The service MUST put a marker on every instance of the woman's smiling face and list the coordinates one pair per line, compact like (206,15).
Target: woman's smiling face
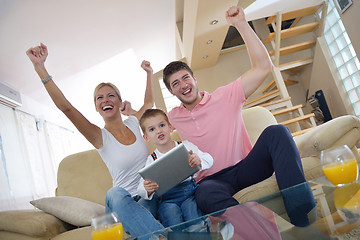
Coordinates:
(107,101)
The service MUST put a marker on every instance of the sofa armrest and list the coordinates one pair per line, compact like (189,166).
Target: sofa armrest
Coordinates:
(344,130)
(34,223)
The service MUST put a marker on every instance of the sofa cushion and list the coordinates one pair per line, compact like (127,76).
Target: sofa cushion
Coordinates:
(32,223)
(17,236)
(75,211)
(312,168)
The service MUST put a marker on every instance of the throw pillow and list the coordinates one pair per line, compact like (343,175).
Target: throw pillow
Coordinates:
(75,211)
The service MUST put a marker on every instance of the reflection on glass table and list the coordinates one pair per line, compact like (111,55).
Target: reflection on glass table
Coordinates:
(266,218)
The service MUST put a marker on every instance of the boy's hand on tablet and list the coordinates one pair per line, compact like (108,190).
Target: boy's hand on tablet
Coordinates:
(194,159)
(150,186)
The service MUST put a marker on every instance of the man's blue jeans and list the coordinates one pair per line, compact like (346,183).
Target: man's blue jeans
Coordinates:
(135,215)
(274,151)
(178,204)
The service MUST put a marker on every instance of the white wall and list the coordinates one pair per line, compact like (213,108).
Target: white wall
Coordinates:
(350,18)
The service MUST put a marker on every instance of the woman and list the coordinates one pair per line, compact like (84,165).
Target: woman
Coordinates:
(119,143)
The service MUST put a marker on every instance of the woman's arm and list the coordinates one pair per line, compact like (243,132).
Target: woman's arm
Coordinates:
(91,132)
(149,92)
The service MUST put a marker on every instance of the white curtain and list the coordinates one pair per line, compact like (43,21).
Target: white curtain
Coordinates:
(30,151)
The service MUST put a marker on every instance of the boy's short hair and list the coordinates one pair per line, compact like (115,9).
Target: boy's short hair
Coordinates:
(172,68)
(151,113)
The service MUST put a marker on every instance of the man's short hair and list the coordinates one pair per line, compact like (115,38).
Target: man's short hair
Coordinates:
(151,113)
(172,68)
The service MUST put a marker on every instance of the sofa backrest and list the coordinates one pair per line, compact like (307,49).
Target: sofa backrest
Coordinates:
(85,175)
(256,119)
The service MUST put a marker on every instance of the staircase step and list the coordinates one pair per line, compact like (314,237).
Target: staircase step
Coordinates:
(267,87)
(294,48)
(297,119)
(275,102)
(302,131)
(272,83)
(263,98)
(295,64)
(287,110)
(294,31)
(295,14)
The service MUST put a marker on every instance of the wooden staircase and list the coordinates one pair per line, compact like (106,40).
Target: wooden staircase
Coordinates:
(275,96)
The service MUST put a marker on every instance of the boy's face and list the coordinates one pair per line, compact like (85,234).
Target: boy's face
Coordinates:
(157,130)
(183,86)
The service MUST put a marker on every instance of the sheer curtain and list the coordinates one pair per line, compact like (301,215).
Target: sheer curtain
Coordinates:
(30,152)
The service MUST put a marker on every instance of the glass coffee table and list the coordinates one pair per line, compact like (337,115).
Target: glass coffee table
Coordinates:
(338,217)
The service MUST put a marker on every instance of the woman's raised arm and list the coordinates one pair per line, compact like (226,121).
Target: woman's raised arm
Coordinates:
(91,132)
(149,92)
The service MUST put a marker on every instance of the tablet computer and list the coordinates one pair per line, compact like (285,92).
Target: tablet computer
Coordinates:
(170,169)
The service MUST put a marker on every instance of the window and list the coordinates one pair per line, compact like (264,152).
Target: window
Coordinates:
(344,55)
(170,100)
(3,170)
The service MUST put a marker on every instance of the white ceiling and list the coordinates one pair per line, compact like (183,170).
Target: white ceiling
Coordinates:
(91,41)
(81,35)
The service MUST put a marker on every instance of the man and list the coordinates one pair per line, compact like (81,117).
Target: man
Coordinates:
(214,123)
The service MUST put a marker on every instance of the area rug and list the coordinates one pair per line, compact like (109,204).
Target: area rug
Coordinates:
(353,235)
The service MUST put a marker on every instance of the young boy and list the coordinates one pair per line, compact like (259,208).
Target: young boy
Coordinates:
(178,204)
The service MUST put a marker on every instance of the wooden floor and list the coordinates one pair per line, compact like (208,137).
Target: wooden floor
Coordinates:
(331,221)
(335,225)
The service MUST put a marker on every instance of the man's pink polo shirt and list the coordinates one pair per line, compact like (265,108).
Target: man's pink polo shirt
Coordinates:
(216,126)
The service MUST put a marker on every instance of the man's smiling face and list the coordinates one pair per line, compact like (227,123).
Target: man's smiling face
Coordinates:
(184,87)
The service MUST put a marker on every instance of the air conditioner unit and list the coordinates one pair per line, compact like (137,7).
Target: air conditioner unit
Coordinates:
(9,96)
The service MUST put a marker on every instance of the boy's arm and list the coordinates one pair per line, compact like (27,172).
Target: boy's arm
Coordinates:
(205,158)
(149,91)
(261,64)
(142,192)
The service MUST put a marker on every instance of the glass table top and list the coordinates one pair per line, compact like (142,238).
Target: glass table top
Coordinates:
(338,217)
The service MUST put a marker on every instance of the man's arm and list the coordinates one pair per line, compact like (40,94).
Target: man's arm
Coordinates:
(261,64)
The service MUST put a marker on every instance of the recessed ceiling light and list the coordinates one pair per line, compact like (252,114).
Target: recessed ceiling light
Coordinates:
(213,22)
(209,41)
(205,56)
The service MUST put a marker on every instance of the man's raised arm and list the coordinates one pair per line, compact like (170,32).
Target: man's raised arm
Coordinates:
(261,64)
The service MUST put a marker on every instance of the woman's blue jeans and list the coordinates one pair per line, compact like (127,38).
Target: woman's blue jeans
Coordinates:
(135,215)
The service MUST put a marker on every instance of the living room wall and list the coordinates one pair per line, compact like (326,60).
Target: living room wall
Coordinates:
(321,76)
(228,68)
(350,20)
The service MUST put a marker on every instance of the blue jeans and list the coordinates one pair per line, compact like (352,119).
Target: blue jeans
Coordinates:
(135,215)
(274,151)
(178,204)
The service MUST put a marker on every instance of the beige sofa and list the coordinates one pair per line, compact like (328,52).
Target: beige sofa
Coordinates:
(85,176)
